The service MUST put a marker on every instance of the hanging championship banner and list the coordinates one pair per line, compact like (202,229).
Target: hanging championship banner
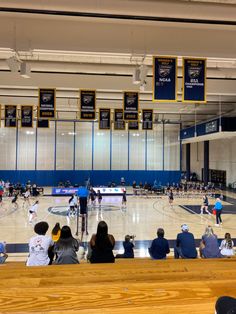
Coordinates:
(164,79)
(104,119)
(147,117)
(133,125)
(119,122)
(131,106)
(87,104)
(47,103)
(194,80)
(10,116)
(42,123)
(26,116)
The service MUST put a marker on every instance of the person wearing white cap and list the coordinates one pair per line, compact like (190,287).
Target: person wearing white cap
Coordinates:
(185,244)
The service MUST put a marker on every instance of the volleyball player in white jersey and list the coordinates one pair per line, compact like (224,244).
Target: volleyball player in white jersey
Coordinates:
(33,212)
(26,198)
(73,203)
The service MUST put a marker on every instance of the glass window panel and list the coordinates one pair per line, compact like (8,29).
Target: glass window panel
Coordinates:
(8,148)
(65,145)
(119,150)
(26,148)
(171,147)
(137,150)
(83,148)
(101,149)
(46,147)
(155,148)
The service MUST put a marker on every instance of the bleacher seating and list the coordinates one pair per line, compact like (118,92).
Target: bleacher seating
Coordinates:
(128,286)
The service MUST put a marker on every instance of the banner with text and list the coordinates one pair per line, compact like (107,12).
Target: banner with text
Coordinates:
(87,104)
(119,122)
(47,103)
(26,116)
(133,125)
(194,80)
(164,79)
(131,106)
(104,119)
(147,118)
(10,116)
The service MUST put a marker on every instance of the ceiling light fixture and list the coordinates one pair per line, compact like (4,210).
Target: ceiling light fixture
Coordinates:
(137,76)
(25,70)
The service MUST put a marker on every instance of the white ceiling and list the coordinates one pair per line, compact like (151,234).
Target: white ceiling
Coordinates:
(101,52)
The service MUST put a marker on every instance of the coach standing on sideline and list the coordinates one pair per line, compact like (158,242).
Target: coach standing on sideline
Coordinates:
(218,208)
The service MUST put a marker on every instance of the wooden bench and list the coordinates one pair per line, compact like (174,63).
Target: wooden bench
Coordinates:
(128,286)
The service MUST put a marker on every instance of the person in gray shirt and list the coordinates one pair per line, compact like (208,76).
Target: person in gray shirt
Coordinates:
(66,248)
(209,246)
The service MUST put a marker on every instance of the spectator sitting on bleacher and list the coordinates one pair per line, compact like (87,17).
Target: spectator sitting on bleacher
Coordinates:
(102,245)
(227,246)
(3,255)
(122,181)
(39,246)
(128,245)
(160,246)
(35,192)
(66,247)
(185,244)
(225,305)
(209,247)
(56,233)
(10,190)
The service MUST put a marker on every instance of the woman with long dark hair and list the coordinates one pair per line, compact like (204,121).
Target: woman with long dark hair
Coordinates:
(102,245)
(66,247)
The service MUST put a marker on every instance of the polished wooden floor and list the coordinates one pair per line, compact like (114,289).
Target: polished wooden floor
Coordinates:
(142,217)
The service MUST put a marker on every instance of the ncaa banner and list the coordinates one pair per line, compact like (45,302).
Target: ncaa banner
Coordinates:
(10,116)
(131,106)
(164,79)
(147,119)
(26,116)
(47,103)
(87,104)
(194,80)
(104,119)
(133,125)
(119,122)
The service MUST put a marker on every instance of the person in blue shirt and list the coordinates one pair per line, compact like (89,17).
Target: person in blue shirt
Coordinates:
(128,245)
(160,246)
(218,208)
(185,244)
